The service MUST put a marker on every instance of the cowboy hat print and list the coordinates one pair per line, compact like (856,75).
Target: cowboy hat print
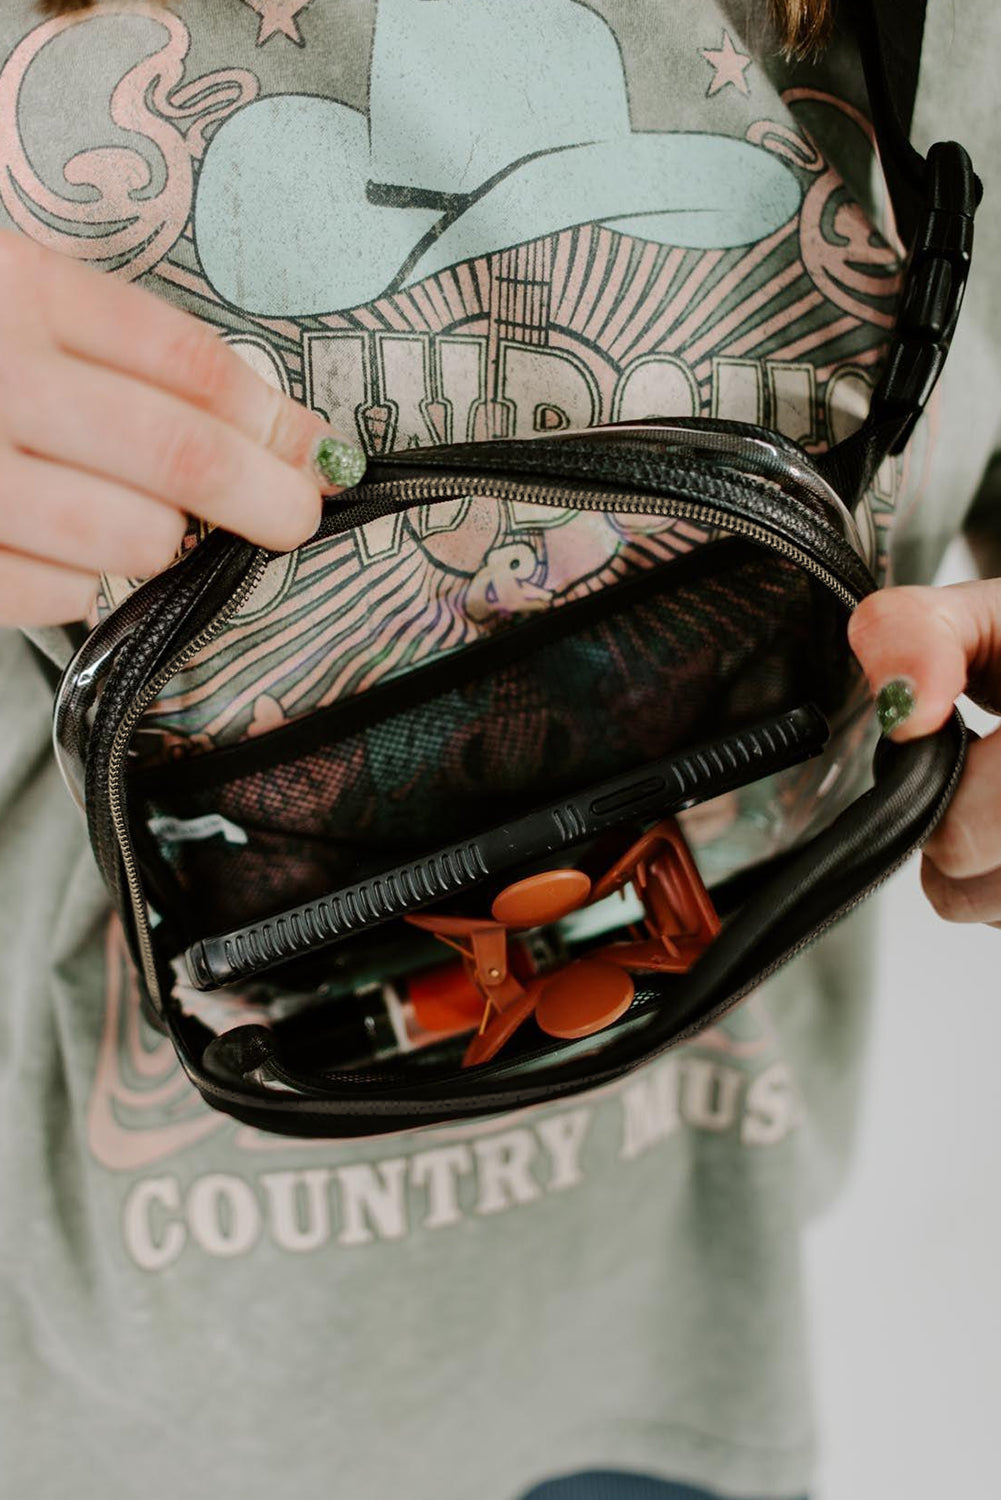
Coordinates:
(489,125)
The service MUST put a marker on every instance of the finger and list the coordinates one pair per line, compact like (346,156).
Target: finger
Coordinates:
(84,522)
(975,900)
(129,329)
(148,440)
(41,593)
(932,640)
(967,842)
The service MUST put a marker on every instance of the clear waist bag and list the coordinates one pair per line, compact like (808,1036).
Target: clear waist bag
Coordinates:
(488,865)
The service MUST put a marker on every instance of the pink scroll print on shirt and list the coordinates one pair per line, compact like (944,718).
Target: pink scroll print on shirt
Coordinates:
(848,264)
(118,228)
(141,1108)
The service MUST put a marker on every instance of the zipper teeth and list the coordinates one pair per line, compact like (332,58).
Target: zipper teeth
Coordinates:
(119,750)
(408,492)
(416,490)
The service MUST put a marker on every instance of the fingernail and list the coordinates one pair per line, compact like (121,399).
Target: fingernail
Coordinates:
(338,463)
(895,702)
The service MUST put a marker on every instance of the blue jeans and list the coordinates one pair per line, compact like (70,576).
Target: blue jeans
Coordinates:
(599,1485)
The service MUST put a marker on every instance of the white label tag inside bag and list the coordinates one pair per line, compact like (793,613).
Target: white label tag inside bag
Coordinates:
(190,830)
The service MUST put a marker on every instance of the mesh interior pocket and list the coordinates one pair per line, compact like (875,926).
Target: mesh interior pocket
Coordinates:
(246,832)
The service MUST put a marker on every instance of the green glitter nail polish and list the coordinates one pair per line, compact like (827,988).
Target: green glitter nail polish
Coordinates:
(894,703)
(338,463)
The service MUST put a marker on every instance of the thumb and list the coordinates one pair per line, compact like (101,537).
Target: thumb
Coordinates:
(919,646)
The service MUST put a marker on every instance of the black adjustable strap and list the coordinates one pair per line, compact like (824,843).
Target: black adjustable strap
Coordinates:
(938,195)
(889,37)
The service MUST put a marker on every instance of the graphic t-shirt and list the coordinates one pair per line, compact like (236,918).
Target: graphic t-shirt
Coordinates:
(434,220)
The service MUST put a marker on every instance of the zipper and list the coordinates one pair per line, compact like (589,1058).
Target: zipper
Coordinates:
(119,754)
(403,494)
(767,458)
(719,445)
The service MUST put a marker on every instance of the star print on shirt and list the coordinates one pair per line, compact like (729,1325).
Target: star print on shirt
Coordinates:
(279,16)
(730,66)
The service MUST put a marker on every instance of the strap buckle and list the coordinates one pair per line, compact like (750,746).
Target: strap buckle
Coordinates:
(934,284)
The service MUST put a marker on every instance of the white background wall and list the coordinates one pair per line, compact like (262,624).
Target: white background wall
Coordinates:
(905,1272)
